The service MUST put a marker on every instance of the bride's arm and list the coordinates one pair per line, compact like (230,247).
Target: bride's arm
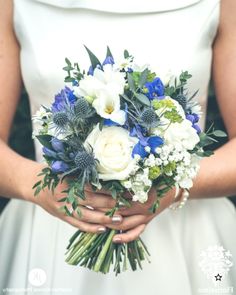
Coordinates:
(217,175)
(18,174)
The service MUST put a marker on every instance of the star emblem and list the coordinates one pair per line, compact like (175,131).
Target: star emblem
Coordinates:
(218,277)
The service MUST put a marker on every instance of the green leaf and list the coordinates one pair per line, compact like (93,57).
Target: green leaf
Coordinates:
(143,78)
(68,62)
(143,99)
(126,53)
(109,52)
(131,82)
(45,140)
(219,133)
(69,79)
(94,60)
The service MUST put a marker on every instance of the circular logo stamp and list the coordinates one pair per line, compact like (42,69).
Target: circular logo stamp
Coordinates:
(37,277)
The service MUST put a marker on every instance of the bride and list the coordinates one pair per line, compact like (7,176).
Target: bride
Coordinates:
(192,249)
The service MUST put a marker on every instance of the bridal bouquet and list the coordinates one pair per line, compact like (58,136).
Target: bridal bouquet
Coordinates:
(120,128)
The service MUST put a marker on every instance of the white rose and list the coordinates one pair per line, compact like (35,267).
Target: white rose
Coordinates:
(183,134)
(112,147)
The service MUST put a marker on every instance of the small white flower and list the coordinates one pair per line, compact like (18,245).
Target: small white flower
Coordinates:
(147,149)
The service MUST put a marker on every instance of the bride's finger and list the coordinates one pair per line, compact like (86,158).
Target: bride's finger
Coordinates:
(129,222)
(89,189)
(84,226)
(94,216)
(130,235)
(97,201)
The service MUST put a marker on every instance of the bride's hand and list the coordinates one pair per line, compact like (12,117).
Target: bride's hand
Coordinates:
(138,216)
(93,221)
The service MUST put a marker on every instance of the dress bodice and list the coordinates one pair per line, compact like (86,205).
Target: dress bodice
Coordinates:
(170,35)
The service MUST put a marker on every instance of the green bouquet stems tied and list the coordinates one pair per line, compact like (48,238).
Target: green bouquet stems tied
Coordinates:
(119,127)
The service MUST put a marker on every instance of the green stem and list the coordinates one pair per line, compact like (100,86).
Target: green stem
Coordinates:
(103,253)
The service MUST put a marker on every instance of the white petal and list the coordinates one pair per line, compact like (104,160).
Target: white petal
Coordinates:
(118,117)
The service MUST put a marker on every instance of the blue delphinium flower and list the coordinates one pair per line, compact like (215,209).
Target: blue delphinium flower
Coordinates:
(152,142)
(59,167)
(66,96)
(108,60)
(194,118)
(155,88)
(144,141)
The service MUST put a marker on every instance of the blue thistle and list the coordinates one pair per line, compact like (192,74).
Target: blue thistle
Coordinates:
(82,107)
(84,160)
(60,119)
(149,118)
(182,100)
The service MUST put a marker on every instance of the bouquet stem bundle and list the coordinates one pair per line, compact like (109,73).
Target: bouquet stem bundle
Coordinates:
(97,252)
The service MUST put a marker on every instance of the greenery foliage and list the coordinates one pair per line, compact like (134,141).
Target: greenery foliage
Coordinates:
(21,139)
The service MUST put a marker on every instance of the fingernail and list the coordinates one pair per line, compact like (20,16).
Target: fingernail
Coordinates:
(117,240)
(116,219)
(101,229)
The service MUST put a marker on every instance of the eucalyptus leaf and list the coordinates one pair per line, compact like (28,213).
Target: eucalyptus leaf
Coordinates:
(143,99)
(131,82)
(219,133)
(143,78)
(126,53)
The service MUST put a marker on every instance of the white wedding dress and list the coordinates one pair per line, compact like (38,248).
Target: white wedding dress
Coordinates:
(170,35)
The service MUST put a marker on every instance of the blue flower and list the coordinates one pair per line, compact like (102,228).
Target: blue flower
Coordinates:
(108,60)
(155,88)
(139,150)
(194,118)
(91,69)
(197,128)
(57,145)
(152,142)
(66,96)
(49,152)
(59,167)
(109,122)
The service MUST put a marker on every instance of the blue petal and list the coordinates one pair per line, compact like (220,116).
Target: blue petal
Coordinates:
(109,122)
(91,71)
(139,150)
(197,128)
(108,60)
(59,167)
(57,145)
(154,142)
(49,153)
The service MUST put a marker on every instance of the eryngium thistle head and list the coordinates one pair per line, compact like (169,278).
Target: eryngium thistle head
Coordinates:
(81,107)
(60,119)
(84,160)
(149,118)
(182,100)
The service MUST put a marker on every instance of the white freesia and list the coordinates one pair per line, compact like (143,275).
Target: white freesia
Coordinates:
(112,147)
(108,106)
(103,90)
(183,134)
